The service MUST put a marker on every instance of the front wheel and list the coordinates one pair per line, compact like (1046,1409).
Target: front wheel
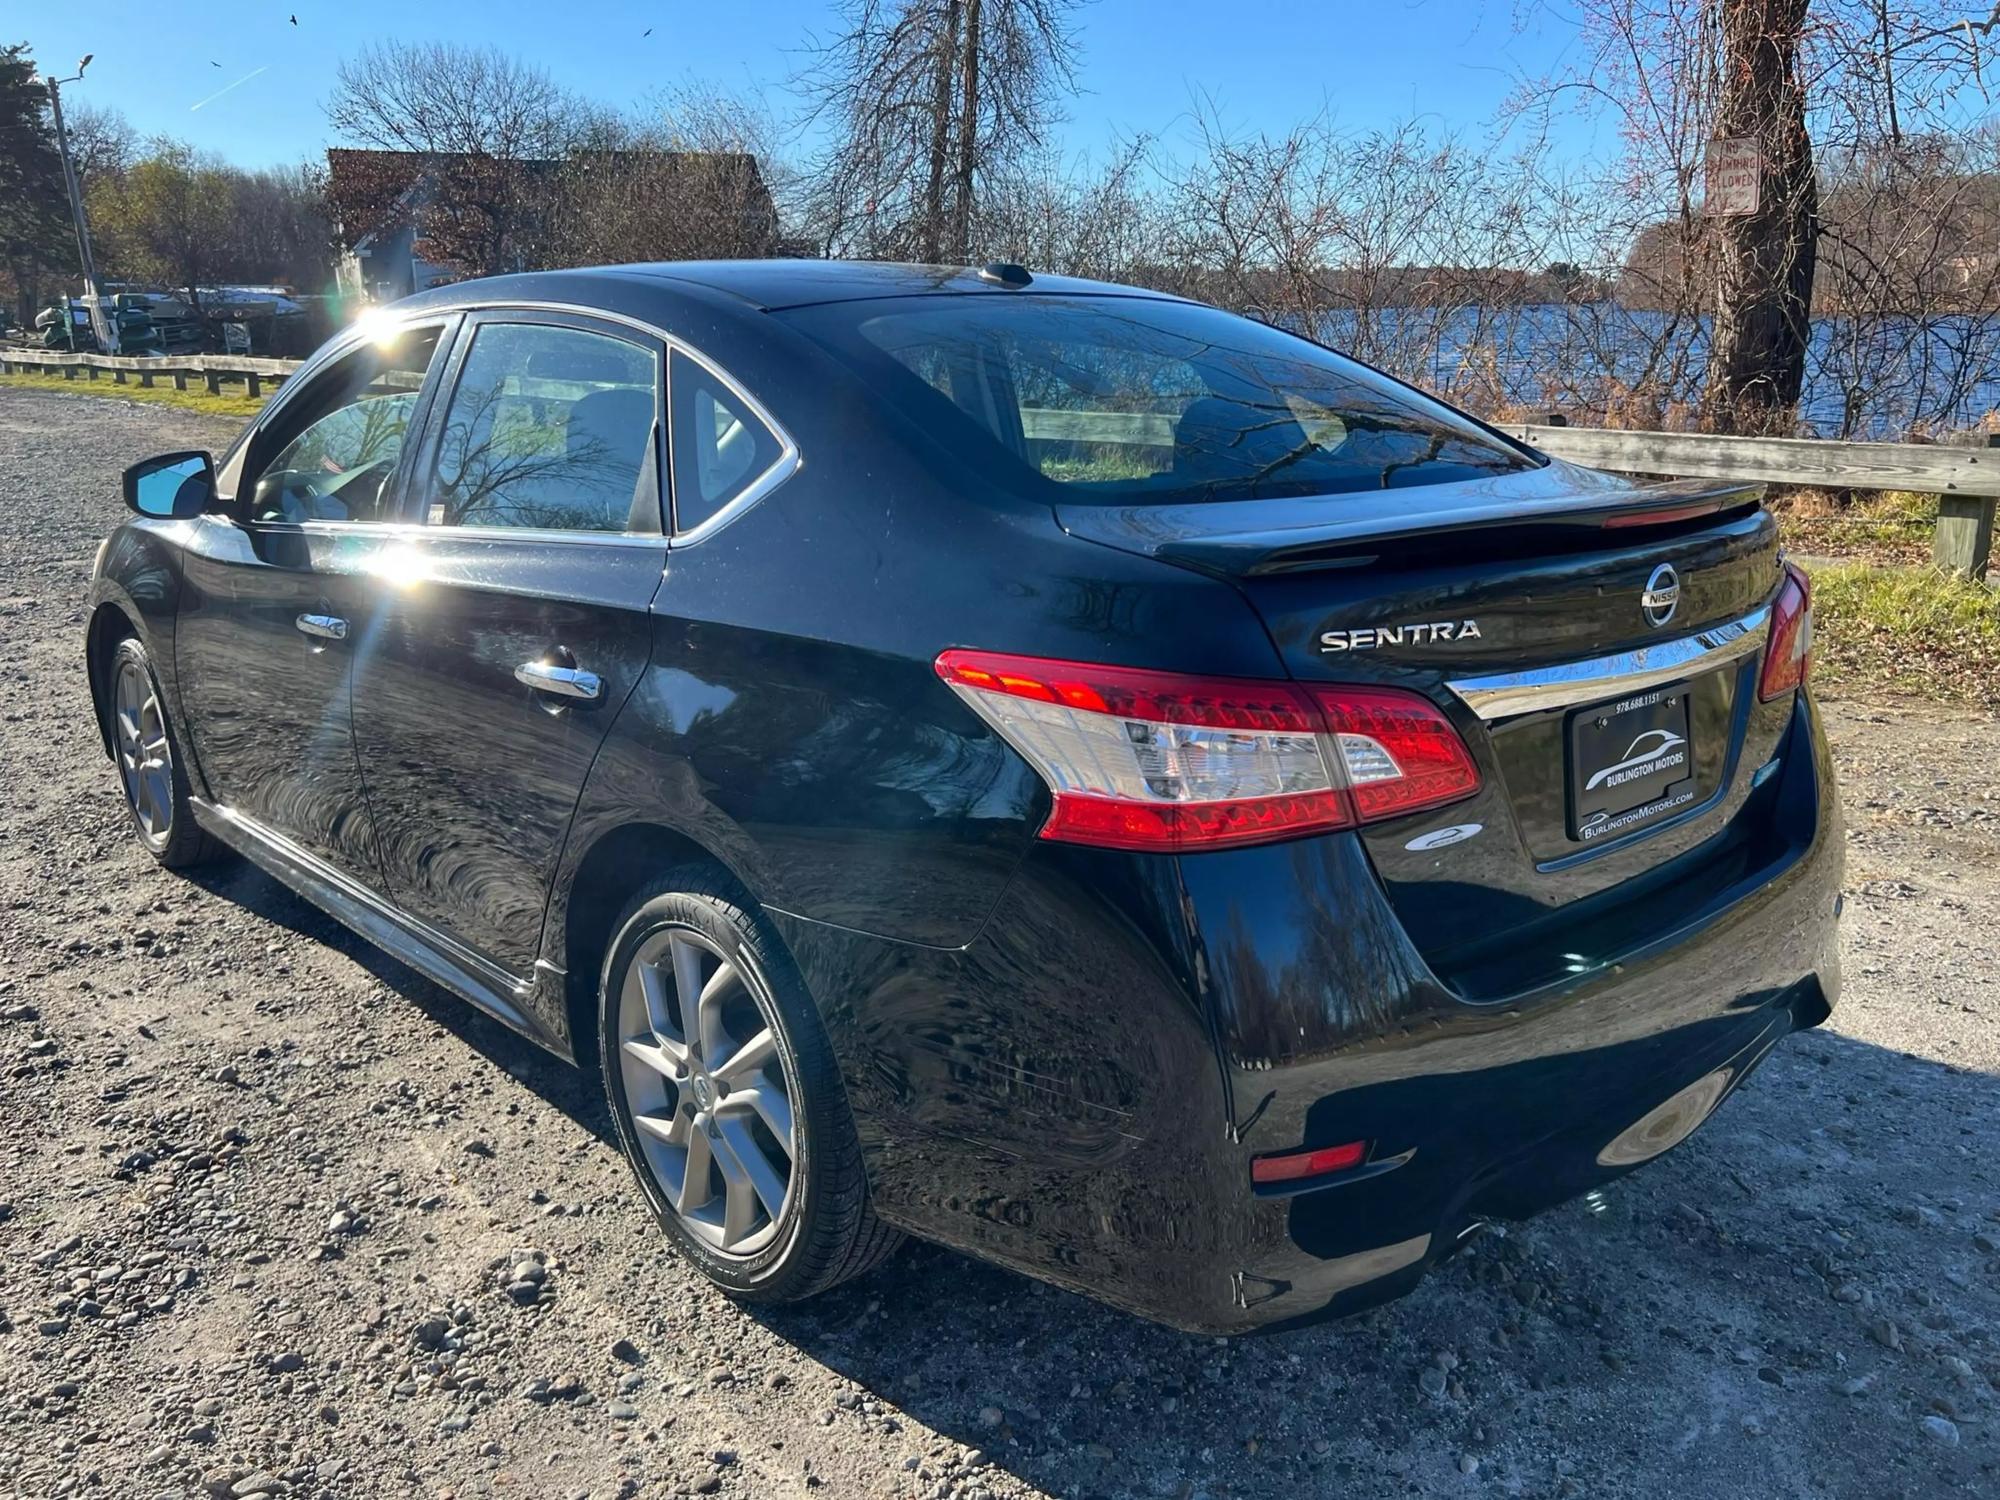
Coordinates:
(151,770)
(727,1098)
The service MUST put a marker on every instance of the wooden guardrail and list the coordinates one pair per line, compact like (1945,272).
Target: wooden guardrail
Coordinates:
(212,369)
(1965,478)
(1927,468)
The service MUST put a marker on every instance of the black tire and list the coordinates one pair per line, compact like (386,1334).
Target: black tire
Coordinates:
(826,1232)
(158,804)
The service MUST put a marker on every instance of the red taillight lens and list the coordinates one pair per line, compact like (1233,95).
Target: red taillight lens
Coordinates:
(1300,1164)
(1158,761)
(1399,753)
(1788,656)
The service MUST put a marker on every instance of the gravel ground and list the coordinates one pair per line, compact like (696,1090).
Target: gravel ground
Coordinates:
(262,1193)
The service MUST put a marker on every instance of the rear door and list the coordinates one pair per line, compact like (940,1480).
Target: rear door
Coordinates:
(513,623)
(276,599)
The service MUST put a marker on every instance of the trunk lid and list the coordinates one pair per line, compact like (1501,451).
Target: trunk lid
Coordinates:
(1516,603)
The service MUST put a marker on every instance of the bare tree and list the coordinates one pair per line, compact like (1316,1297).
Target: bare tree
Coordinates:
(1764,259)
(1075,219)
(930,102)
(278,229)
(693,176)
(102,141)
(1673,75)
(486,126)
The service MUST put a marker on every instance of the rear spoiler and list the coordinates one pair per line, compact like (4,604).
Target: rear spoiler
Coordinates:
(1346,539)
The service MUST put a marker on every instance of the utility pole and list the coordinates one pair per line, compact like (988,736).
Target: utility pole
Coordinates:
(104,321)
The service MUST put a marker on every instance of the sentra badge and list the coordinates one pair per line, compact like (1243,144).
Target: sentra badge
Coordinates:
(1427,633)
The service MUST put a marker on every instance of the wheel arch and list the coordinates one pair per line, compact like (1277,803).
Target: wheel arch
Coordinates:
(110,623)
(615,864)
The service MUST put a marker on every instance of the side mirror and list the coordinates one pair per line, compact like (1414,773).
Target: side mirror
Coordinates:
(173,486)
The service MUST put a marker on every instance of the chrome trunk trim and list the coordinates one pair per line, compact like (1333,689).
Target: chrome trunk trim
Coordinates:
(1501,695)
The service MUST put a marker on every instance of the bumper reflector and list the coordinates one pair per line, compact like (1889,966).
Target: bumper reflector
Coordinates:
(1295,1165)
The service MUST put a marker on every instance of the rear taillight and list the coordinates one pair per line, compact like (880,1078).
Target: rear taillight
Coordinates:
(1158,761)
(1788,657)
(1399,753)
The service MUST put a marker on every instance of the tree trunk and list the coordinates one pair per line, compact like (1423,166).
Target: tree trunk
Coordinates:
(968,139)
(1765,260)
(945,73)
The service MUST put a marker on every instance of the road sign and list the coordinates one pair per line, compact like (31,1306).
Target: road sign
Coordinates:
(1735,178)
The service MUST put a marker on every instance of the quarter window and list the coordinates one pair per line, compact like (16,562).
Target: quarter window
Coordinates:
(341,439)
(549,427)
(721,447)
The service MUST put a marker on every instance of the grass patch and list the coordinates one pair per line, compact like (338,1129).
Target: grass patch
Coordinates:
(1908,629)
(1886,526)
(233,402)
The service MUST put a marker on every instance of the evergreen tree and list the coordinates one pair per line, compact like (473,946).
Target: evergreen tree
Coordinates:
(34,218)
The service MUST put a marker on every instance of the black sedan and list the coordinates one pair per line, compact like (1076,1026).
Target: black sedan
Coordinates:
(1045,767)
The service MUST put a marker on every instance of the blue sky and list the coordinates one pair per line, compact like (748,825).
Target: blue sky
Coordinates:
(1266,63)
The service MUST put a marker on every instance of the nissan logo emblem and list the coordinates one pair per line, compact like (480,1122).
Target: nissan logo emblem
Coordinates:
(1662,595)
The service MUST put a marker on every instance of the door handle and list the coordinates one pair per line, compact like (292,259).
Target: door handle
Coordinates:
(324,627)
(566,682)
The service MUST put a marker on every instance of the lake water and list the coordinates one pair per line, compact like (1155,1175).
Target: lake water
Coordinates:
(1883,378)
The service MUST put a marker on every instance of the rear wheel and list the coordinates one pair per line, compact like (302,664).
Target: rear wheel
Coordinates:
(727,1098)
(150,769)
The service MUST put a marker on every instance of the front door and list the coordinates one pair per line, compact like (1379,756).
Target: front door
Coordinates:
(275,596)
(517,622)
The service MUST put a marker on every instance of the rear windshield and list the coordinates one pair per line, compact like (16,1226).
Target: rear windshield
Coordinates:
(1132,400)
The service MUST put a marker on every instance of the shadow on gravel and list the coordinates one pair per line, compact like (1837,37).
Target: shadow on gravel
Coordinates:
(563,1087)
(1818,1208)
(1811,1242)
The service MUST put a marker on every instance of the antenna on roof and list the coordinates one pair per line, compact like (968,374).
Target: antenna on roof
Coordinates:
(1005,273)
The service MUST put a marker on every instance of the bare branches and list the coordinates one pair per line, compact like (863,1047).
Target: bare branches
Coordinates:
(932,103)
(440,98)
(684,180)
(484,127)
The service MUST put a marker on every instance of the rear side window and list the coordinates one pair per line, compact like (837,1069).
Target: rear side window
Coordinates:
(721,446)
(1132,399)
(549,427)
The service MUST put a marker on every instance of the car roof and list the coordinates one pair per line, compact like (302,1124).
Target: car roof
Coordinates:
(766,284)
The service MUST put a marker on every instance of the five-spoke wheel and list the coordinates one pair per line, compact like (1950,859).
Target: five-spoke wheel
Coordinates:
(708,1090)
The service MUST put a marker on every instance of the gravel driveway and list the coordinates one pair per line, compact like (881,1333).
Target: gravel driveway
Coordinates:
(262,1192)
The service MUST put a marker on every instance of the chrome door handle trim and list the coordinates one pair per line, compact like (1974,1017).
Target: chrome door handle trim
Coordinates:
(568,682)
(324,627)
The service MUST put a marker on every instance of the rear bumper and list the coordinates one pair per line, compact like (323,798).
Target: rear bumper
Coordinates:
(1079,1092)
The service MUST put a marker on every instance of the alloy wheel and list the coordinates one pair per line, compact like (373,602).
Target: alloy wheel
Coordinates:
(710,1092)
(145,756)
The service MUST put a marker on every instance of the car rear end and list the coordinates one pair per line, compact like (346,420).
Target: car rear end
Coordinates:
(1514,859)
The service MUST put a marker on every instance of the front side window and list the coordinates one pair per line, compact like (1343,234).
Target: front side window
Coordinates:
(549,427)
(342,438)
(1148,401)
(721,447)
